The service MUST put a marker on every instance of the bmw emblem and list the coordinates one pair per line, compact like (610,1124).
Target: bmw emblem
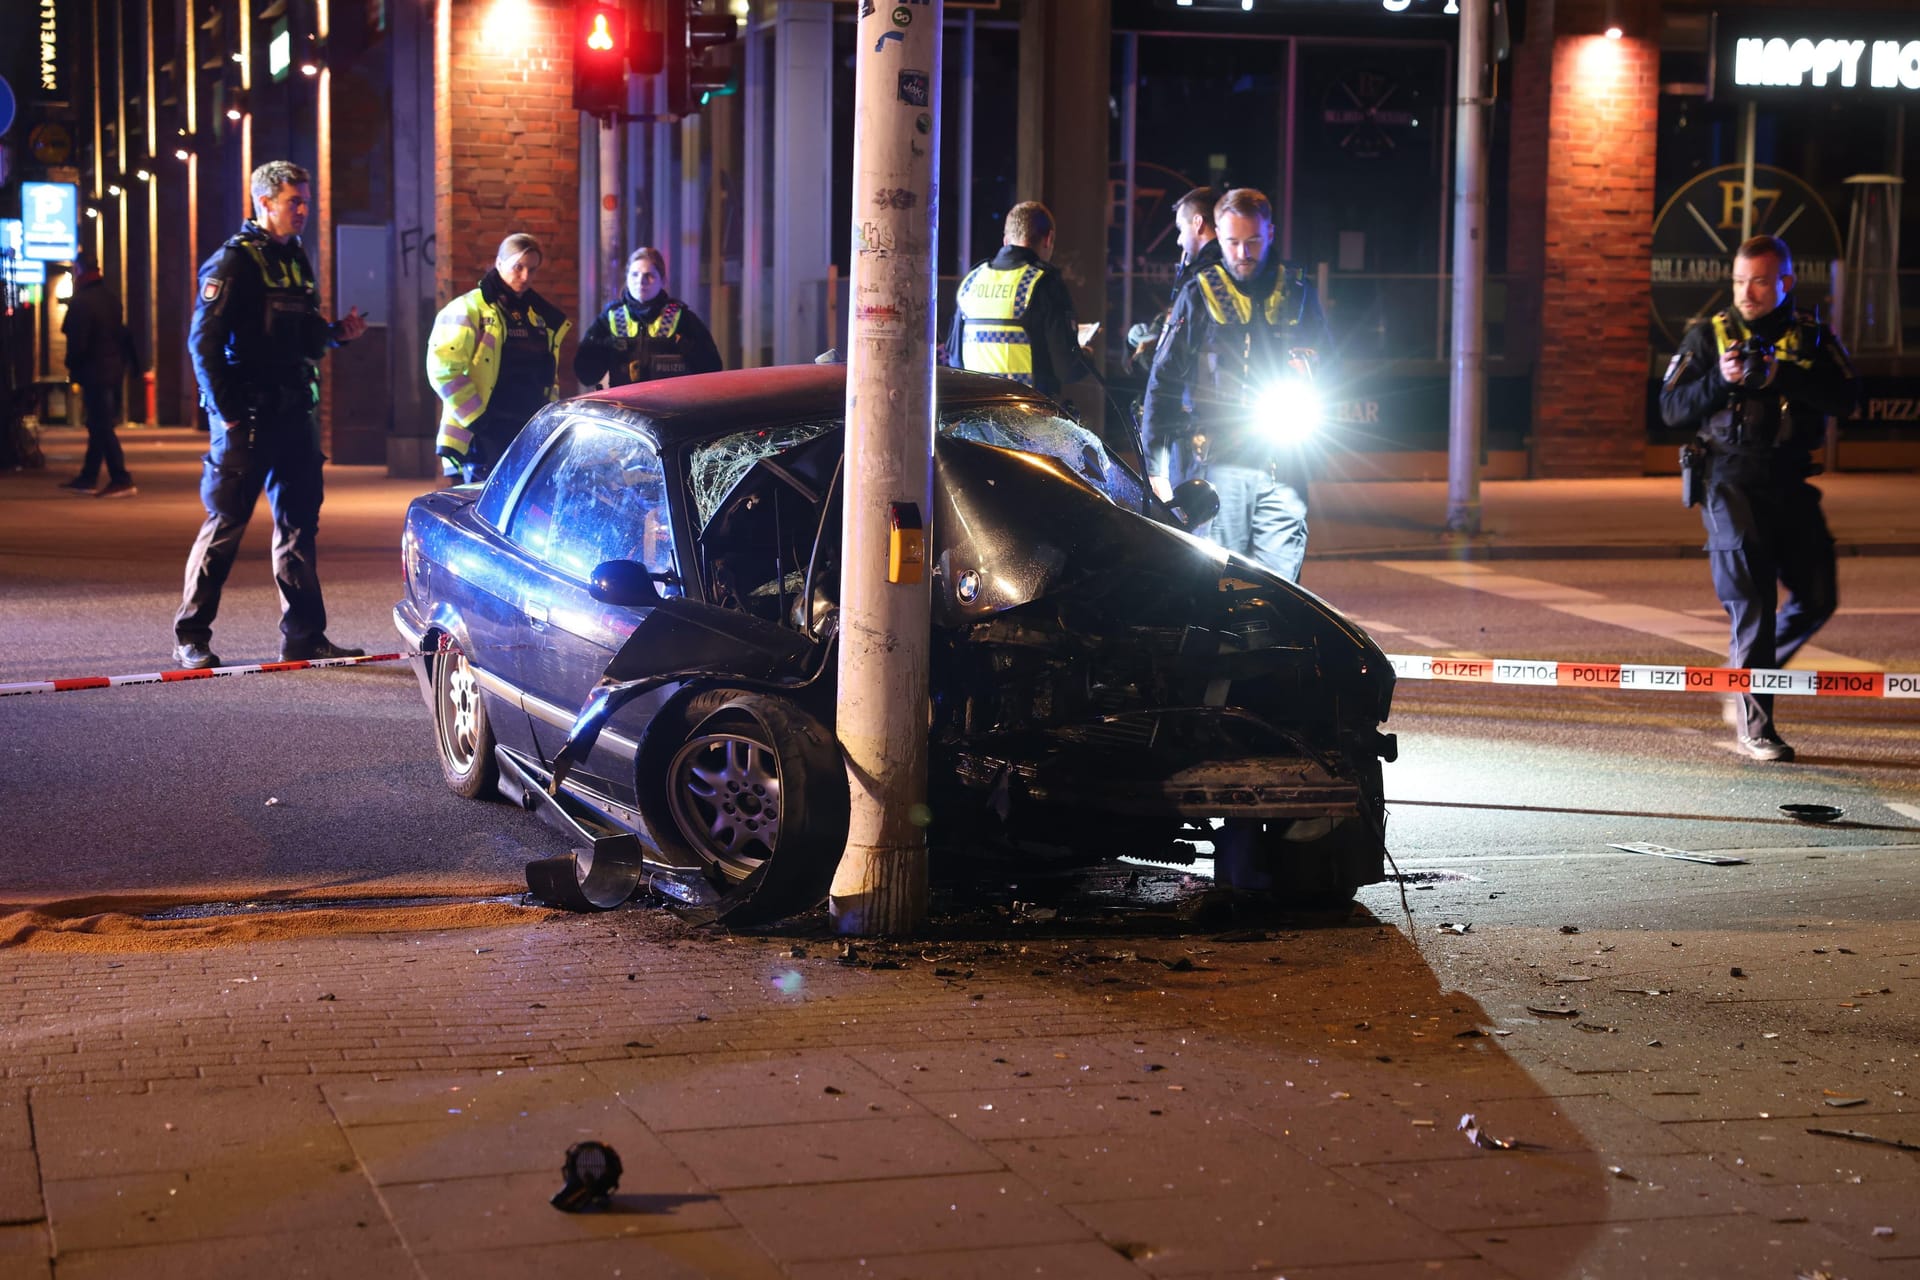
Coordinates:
(967,586)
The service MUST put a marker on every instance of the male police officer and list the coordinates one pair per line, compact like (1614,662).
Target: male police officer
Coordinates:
(1230,395)
(1758,383)
(256,337)
(1014,316)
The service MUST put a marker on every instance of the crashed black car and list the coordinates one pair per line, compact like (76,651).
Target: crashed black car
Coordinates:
(631,626)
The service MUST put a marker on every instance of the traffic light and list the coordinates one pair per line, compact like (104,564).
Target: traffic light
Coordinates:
(700,48)
(599,58)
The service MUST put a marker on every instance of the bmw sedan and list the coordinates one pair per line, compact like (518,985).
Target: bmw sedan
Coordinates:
(631,626)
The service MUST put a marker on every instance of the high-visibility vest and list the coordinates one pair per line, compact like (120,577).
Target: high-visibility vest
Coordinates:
(994,305)
(1729,328)
(463,364)
(1227,305)
(657,362)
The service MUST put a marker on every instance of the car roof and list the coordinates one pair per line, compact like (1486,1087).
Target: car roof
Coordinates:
(706,404)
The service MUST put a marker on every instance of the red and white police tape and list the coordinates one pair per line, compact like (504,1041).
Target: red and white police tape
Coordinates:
(1658,679)
(1637,677)
(204,673)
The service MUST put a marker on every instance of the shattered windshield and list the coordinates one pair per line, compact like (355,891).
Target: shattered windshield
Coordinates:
(1032,429)
(716,467)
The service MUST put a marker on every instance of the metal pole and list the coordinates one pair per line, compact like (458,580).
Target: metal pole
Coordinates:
(1129,157)
(1467,391)
(608,242)
(964,214)
(881,883)
(1746,176)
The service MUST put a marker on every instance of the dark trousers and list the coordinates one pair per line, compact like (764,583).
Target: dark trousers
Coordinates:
(284,458)
(1786,544)
(101,402)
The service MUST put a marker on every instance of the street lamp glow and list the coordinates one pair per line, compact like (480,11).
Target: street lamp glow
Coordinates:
(1614,33)
(143,175)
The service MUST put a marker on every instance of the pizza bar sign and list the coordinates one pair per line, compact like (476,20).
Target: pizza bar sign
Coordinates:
(1779,63)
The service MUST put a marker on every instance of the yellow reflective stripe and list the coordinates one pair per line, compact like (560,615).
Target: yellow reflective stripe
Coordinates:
(1787,350)
(1227,305)
(666,322)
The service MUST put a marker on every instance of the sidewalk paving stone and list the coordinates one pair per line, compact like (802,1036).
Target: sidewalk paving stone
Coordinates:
(460,1214)
(786,1155)
(902,1215)
(683,1255)
(372,1252)
(1674,1247)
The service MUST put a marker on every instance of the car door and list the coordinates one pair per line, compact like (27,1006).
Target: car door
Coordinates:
(598,494)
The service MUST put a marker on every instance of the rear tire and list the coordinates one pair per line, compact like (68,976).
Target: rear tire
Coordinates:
(461,732)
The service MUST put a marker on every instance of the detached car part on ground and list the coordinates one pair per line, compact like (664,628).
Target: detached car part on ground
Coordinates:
(631,627)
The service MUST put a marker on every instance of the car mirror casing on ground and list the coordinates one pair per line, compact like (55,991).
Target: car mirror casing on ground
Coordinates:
(625,583)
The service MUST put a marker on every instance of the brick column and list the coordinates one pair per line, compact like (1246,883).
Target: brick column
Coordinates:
(506,146)
(1585,127)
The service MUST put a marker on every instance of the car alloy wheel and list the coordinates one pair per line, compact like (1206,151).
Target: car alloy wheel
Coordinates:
(757,788)
(460,726)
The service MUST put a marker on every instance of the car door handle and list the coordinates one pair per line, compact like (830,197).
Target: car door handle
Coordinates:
(537,614)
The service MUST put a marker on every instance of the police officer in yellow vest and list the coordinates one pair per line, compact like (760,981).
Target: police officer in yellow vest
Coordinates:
(645,333)
(493,360)
(256,338)
(1230,397)
(1758,383)
(1014,316)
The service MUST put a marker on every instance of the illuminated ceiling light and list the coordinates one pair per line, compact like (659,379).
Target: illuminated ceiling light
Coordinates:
(112,190)
(92,212)
(181,153)
(234,57)
(309,68)
(233,113)
(1246,6)
(143,175)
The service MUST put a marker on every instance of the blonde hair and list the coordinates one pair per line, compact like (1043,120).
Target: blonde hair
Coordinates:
(518,245)
(1028,223)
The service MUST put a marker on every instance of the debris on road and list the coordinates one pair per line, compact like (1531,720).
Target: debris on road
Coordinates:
(1553,1013)
(1479,1137)
(1683,855)
(1812,812)
(1456,928)
(1854,1135)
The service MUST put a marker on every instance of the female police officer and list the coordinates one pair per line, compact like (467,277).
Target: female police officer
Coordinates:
(493,359)
(645,333)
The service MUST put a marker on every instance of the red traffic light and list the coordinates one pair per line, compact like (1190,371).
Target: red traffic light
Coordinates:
(599,58)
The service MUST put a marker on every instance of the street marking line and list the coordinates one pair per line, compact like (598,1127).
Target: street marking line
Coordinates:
(1668,624)
(1904,809)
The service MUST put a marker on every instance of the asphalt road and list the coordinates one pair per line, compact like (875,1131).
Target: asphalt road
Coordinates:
(1505,800)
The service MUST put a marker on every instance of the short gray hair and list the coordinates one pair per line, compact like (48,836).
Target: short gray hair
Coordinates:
(274,174)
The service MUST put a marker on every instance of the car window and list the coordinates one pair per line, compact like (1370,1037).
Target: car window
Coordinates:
(599,494)
(1032,429)
(514,462)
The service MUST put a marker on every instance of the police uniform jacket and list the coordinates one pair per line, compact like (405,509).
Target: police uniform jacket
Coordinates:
(635,341)
(257,334)
(1759,438)
(1021,322)
(1224,342)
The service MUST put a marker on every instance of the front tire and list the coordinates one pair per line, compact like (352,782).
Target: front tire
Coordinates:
(461,732)
(755,777)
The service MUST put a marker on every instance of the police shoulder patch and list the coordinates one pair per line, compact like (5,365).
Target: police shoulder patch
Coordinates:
(210,288)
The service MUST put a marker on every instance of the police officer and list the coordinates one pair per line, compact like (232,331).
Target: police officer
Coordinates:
(646,333)
(493,360)
(1757,383)
(1230,395)
(256,339)
(1199,249)
(1014,317)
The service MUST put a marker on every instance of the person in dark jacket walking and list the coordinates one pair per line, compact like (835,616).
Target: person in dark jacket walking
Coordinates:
(100,353)
(256,339)
(646,333)
(1758,382)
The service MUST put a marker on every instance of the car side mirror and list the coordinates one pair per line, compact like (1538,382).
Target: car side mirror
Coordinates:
(625,583)
(1197,502)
